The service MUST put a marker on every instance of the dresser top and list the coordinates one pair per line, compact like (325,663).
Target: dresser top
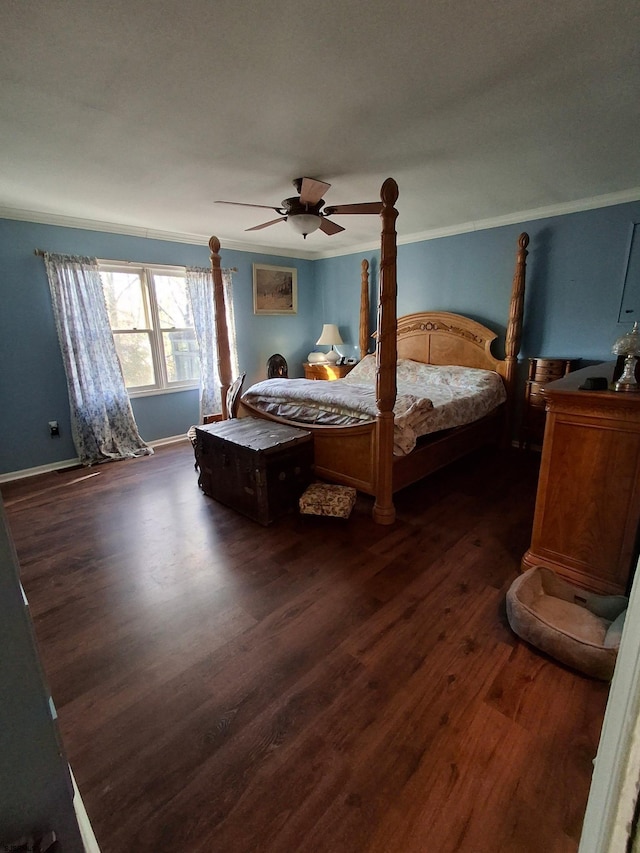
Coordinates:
(572,381)
(566,393)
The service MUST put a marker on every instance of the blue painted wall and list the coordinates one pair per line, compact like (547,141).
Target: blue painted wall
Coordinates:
(32,381)
(575,277)
(576,270)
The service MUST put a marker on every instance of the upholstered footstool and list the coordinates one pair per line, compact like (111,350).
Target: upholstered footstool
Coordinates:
(328,499)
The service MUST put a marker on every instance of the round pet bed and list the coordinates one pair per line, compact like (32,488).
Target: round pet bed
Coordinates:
(578,628)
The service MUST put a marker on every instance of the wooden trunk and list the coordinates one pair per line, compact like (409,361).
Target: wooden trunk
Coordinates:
(256,467)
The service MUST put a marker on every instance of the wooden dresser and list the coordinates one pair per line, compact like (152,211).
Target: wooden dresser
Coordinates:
(541,372)
(587,511)
(324,370)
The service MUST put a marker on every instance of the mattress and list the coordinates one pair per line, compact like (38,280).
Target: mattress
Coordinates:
(429,398)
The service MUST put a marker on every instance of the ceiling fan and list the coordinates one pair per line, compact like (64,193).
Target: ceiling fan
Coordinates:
(305,212)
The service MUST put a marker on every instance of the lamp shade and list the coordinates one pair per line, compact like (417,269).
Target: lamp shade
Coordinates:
(304,223)
(628,344)
(330,335)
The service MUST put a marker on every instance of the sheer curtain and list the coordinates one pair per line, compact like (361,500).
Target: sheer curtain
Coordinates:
(102,423)
(200,289)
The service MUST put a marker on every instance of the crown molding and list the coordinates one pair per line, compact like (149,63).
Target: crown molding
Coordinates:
(608,200)
(47,218)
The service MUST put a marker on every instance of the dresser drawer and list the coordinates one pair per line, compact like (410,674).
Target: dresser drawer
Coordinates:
(542,371)
(535,397)
(324,370)
(548,373)
(550,369)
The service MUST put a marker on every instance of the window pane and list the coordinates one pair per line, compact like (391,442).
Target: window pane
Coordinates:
(134,351)
(181,355)
(125,300)
(174,307)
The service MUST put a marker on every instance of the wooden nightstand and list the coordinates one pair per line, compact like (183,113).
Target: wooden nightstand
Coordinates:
(541,372)
(326,371)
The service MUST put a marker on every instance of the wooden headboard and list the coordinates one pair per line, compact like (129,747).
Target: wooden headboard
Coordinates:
(438,337)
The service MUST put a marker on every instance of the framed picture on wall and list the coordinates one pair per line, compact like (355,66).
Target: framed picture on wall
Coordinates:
(275,289)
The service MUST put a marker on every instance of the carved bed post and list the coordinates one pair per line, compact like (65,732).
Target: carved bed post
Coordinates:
(386,354)
(364,308)
(222,332)
(514,328)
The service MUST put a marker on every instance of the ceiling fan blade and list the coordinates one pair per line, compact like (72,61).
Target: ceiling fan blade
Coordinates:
(312,191)
(365,207)
(266,224)
(330,227)
(244,204)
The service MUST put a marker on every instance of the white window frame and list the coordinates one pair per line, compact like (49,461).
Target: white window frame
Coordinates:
(146,272)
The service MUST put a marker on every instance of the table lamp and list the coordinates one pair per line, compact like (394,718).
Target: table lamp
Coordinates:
(330,337)
(629,346)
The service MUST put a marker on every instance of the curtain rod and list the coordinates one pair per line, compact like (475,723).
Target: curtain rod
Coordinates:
(41,253)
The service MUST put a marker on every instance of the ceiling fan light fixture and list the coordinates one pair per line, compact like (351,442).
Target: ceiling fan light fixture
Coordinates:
(304,223)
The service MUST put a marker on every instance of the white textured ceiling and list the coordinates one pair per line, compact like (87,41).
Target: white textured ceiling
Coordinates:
(141,114)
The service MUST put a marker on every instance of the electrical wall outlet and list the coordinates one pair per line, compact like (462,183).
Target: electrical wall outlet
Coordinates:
(54,429)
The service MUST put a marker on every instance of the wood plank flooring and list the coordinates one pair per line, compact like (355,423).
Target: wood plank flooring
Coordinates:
(318,686)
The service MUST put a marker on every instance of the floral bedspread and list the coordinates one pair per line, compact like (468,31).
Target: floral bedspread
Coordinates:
(429,398)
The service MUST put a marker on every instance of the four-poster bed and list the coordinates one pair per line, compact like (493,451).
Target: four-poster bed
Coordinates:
(361,454)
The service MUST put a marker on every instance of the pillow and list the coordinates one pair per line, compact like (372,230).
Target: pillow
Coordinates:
(452,375)
(364,372)
(409,372)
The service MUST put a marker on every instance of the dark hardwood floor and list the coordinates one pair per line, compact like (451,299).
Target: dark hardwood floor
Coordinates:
(318,686)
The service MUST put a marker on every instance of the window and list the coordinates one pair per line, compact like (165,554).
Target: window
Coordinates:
(152,324)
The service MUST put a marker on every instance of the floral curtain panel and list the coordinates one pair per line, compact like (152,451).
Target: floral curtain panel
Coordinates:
(102,422)
(200,289)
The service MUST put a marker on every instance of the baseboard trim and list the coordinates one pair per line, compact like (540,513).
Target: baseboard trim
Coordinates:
(74,463)
(171,439)
(40,469)
(86,830)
